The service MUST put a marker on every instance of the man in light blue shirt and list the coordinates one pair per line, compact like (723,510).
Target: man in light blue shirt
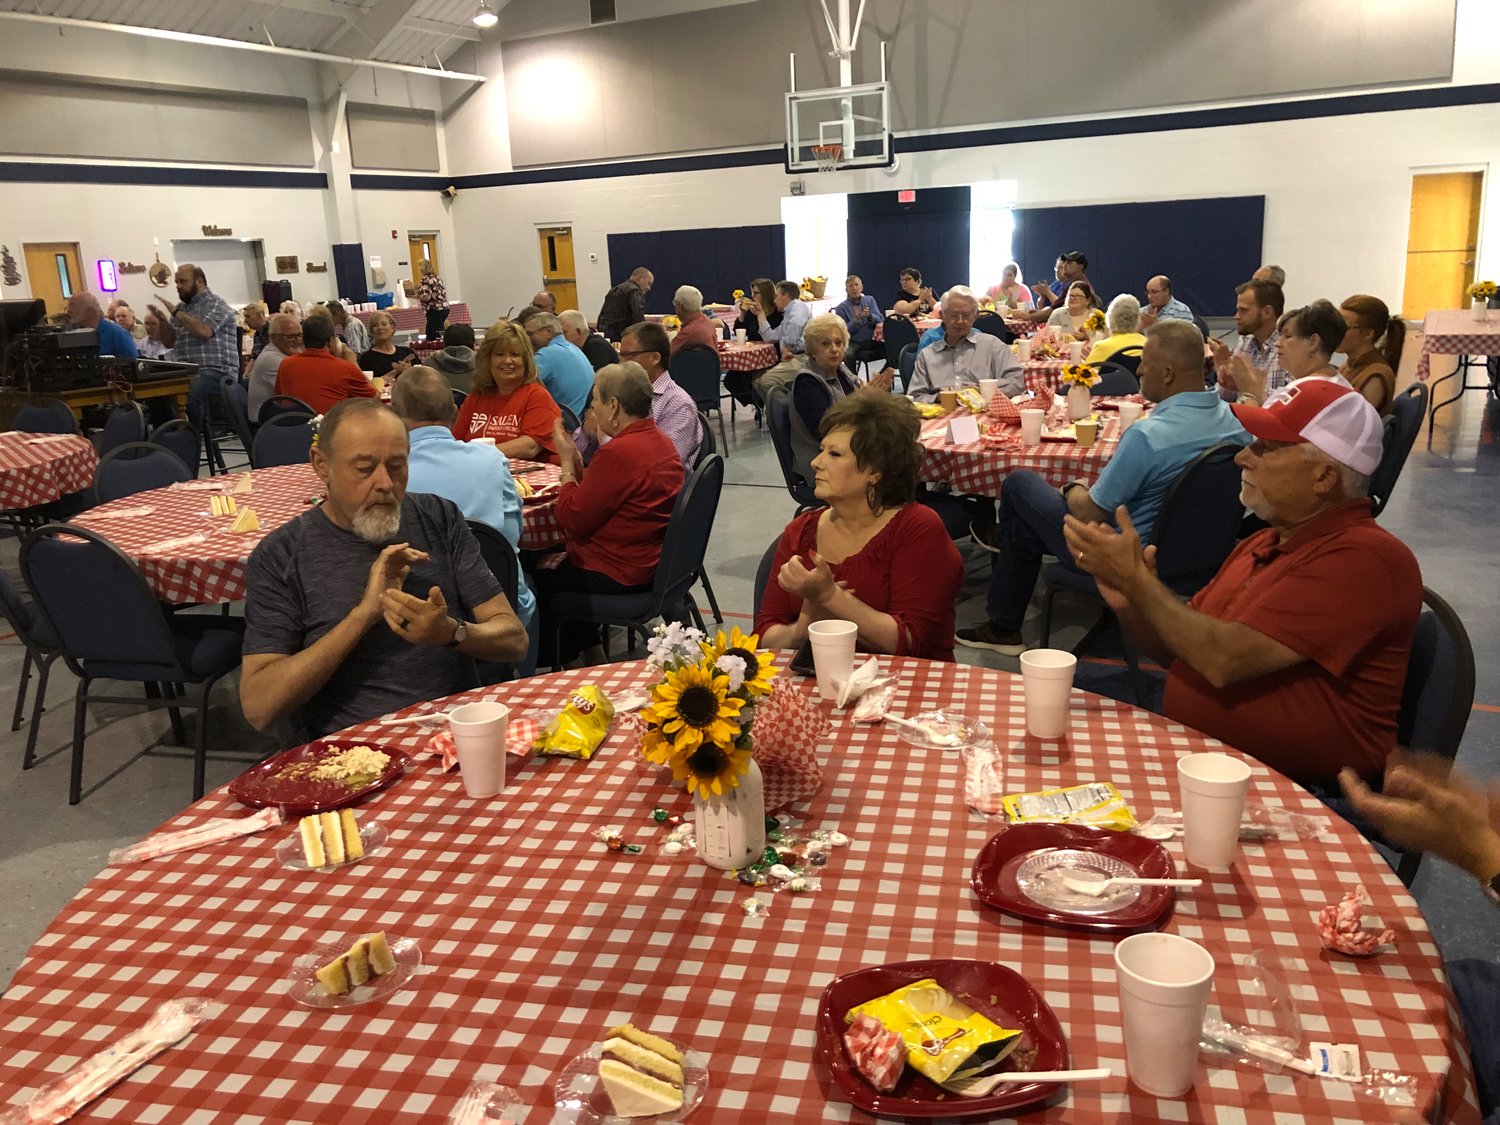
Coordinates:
(794,317)
(1161,305)
(564,370)
(474,475)
(1151,456)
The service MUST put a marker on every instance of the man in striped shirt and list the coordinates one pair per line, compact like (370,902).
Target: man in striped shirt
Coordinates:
(1257,309)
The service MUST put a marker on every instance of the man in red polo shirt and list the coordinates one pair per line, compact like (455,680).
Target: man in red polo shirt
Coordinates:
(1296,651)
(317,376)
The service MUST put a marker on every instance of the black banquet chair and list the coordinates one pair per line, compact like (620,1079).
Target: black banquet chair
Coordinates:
(896,332)
(682,554)
(696,370)
(179,437)
(501,558)
(237,406)
(991,323)
(282,440)
(779,422)
(1401,429)
(136,466)
(283,404)
(124,424)
(45,416)
(110,626)
(41,645)
(1115,379)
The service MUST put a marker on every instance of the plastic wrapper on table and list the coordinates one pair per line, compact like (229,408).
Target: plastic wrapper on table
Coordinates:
(487,1103)
(1341,927)
(983,781)
(199,836)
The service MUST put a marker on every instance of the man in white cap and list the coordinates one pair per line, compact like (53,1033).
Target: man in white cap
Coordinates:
(1296,651)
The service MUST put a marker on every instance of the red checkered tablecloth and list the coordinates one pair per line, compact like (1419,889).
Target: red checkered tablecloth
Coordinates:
(1044,376)
(39,468)
(413,318)
(213,569)
(751,356)
(539,527)
(535,938)
(1456,332)
(979,467)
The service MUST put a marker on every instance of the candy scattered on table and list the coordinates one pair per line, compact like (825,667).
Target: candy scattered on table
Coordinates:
(610,837)
(756,907)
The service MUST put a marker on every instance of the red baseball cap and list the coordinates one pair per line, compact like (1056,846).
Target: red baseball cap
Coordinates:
(1334,417)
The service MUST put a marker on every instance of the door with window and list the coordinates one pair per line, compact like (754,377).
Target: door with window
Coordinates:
(422,247)
(1442,241)
(54,273)
(558,275)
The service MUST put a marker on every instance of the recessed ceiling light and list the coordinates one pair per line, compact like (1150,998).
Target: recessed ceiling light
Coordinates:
(485,15)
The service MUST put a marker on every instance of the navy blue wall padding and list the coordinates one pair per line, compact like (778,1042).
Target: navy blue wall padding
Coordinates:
(349,270)
(715,260)
(1127,243)
(931,234)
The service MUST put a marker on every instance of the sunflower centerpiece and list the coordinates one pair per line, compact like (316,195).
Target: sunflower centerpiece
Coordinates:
(1079,378)
(1094,323)
(698,723)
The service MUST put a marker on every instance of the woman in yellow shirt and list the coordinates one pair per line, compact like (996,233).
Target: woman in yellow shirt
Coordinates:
(1123,320)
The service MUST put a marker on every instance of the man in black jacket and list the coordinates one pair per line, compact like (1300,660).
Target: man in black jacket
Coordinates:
(625,304)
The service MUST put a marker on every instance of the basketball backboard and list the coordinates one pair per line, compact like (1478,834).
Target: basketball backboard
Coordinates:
(856,118)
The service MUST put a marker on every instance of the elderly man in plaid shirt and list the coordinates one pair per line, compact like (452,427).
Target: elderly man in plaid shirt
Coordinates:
(200,330)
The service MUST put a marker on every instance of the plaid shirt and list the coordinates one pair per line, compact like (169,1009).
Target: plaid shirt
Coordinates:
(221,351)
(1263,357)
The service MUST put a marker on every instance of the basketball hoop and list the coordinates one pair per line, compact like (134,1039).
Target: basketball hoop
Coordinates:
(828,157)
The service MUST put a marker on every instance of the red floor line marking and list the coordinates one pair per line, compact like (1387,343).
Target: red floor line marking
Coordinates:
(1486,707)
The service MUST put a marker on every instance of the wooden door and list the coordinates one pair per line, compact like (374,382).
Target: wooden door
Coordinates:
(558,275)
(1442,241)
(54,273)
(422,247)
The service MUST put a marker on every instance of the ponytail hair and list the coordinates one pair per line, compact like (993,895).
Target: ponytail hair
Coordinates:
(1389,331)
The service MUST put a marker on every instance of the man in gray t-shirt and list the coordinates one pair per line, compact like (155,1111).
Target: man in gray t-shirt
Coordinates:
(373,601)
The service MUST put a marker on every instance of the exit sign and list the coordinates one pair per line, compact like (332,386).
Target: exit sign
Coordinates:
(907,196)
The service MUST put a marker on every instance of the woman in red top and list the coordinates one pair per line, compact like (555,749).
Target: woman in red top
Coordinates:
(508,403)
(614,517)
(872,556)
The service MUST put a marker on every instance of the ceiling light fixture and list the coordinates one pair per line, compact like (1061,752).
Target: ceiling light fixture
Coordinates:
(485,16)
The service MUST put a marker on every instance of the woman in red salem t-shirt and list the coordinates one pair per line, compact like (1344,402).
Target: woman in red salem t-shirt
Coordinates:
(507,402)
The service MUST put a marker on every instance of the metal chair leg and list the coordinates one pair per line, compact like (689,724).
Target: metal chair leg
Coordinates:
(75,777)
(15,722)
(708,590)
(200,750)
(179,731)
(1047,615)
(44,668)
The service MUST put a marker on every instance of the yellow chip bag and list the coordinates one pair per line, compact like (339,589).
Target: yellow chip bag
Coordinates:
(944,1037)
(971,398)
(580,727)
(927,409)
(1097,803)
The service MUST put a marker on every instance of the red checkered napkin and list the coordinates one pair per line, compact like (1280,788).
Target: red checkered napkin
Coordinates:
(520,734)
(1004,411)
(879,1055)
(788,727)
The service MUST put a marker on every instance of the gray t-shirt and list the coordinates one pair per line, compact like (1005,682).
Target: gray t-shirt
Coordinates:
(307,575)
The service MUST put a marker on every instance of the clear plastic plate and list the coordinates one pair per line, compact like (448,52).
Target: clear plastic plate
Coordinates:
(580,1096)
(303,986)
(942,731)
(1041,880)
(372,835)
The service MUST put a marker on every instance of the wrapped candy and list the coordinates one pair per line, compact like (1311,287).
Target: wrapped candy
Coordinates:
(879,1055)
(581,727)
(1341,927)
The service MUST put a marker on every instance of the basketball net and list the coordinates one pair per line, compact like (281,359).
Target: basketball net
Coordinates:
(828,157)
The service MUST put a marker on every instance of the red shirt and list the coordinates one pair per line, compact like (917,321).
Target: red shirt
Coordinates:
(321,380)
(1345,594)
(615,518)
(701,329)
(528,411)
(910,570)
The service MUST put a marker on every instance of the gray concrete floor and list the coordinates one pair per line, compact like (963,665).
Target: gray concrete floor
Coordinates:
(1444,508)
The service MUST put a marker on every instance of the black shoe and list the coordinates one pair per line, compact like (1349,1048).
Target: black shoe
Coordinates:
(986,636)
(984,536)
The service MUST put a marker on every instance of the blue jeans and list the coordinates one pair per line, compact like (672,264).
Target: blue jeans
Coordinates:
(203,391)
(1477,984)
(1029,526)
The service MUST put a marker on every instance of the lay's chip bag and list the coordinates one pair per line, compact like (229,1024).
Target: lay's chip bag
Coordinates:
(945,1038)
(580,727)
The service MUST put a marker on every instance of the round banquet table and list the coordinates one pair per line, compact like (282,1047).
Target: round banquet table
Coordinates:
(39,468)
(536,938)
(753,355)
(189,555)
(979,467)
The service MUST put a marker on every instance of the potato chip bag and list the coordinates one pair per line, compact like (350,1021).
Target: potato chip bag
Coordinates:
(1097,803)
(944,1037)
(972,399)
(580,727)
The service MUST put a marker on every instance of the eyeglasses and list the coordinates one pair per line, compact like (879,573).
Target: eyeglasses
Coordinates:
(651,351)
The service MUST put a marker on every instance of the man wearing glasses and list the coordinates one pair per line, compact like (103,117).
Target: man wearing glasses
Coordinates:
(1161,305)
(286,339)
(672,408)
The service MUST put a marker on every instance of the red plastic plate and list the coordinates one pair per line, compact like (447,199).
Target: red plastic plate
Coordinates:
(274,782)
(994,876)
(995,991)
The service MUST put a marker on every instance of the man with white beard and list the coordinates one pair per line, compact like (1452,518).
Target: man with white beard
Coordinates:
(373,600)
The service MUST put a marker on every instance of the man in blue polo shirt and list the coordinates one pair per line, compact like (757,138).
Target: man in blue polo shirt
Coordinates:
(861,313)
(1150,456)
(474,475)
(564,370)
(84,311)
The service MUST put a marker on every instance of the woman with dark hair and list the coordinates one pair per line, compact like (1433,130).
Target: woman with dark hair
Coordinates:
(1306,339)
(872,556)
(762,299)
(1079,301)
(916,299)
(1372,346)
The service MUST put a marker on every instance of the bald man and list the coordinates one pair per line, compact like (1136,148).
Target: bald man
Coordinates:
(544,301)
(84,311)
(1161,305)
(1274,274)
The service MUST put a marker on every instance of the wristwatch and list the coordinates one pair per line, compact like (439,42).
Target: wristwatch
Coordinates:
(460,631)
(1492,890)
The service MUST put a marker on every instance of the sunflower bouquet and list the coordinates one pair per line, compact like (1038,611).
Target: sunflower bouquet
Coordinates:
(1094,322)
(1080,375)
(738,295)
(671,323)
(1482,290)
(699,718)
